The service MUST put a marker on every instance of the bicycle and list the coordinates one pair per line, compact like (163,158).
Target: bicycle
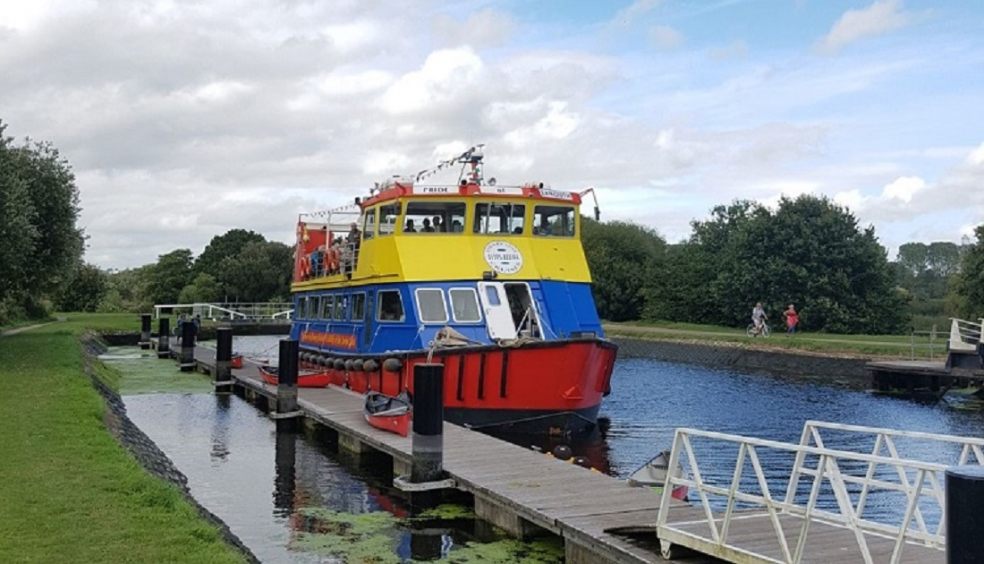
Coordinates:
(753,331)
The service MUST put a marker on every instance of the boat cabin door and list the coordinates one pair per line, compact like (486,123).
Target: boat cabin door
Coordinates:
(498,316)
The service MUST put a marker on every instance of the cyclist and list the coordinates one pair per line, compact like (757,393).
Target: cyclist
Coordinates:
(758,318)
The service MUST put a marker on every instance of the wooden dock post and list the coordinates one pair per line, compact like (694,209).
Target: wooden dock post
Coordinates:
(428,423)
(223,357)
(187,357)
(964,521)
(145,330)
(287,381)
(163,338)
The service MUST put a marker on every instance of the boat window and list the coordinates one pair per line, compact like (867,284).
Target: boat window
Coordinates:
(388,216)
(301,308)
(368,224)
(314,307)
(358,306)
(553,221)
(499,219)
(464,305)
(341,308)
(389,306)
(327,306)
(492,295)
(430,304)
(434,217)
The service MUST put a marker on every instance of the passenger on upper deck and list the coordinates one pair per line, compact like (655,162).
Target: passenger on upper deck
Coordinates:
(427,226)
(355,236)
(409,228)
(438,226)
(457,227)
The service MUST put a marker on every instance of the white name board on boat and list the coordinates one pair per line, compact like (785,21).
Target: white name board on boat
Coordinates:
(435,189)
(504,190)
(503,257)
(556,194)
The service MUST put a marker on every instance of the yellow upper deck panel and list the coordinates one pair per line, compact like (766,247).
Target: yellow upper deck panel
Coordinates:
(510,239)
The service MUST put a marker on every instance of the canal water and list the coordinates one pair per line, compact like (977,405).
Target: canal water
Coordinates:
(291,497)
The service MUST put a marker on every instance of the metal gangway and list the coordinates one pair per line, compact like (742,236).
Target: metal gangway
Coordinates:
(851,494)
(234,311)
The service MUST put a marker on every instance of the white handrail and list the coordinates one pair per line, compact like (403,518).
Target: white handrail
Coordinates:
(926,484)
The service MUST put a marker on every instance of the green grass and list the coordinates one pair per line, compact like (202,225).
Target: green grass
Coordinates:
(894,346)
(68,491)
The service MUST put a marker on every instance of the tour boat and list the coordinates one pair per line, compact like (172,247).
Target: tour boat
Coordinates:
(236,361)
(489,280)
(305,378)
(389,413)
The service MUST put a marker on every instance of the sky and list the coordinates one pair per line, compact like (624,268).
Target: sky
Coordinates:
(184,119)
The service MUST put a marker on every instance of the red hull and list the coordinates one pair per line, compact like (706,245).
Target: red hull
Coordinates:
(557,386)
(236,361)
(306,379)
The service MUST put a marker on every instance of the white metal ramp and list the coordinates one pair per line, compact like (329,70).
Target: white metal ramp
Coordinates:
(852,503)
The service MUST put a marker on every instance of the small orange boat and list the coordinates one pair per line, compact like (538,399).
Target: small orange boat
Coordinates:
(236,361)
(389,413)
(305,378)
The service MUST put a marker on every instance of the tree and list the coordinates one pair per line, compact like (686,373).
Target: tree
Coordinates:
(968,288)
(169,276)
(912,257)
(260,272)
(222,247)
(623,259)
(85,291)
(809,251)
(204,288)
(38,212)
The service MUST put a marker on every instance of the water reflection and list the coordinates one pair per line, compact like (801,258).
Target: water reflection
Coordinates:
(220,429)
(285,457)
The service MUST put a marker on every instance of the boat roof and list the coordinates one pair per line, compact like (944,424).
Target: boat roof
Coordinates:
(396,189)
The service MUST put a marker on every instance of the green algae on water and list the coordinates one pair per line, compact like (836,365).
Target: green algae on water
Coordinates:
(143,373)
(350,537)
(447,512)
(540,551)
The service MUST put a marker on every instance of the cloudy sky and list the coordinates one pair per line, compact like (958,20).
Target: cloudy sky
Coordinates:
(183,119)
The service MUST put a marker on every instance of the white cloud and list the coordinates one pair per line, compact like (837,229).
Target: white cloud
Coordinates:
(976,157)
(903,188)
(880,17)
(665,37)
(737,49)
(486,28)
(629,14)
(850,199)
(444,75)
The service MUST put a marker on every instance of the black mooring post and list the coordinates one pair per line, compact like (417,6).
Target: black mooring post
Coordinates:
(163,338)
(223,355)
(187,358)
(287,377)
(428,423)
(964,518)
(145,330)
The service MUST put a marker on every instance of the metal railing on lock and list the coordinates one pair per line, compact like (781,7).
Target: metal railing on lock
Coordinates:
(849,515)
(966,335)
(234,311)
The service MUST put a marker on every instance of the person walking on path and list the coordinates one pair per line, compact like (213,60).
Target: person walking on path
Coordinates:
(758,318)
(792,319)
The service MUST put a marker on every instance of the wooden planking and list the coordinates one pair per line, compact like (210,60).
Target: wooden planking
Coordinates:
(825,543)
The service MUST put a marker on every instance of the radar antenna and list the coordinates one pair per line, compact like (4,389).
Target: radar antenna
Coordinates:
(471,158)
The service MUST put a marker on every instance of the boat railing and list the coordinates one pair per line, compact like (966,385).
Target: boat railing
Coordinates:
(852,477)
(965,335)
(340,259)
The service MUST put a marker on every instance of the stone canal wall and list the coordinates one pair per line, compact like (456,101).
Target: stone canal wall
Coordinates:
(148,455)
(847,371)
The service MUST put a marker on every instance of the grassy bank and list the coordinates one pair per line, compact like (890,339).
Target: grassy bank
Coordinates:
(887,346)
(68,491)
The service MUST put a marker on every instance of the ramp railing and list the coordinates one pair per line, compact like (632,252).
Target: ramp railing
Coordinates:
(965,335)
(236,311)
(833,469)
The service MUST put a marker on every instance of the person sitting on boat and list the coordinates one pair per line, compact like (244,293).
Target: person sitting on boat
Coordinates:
(317,261)
(758,317)
(355,236)
(438,225)
(427,226)
(409,228)
(457,227)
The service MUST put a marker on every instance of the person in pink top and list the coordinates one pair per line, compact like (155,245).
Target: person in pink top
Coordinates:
(792,319)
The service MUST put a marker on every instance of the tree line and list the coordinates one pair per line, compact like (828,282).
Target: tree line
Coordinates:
(808,251)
